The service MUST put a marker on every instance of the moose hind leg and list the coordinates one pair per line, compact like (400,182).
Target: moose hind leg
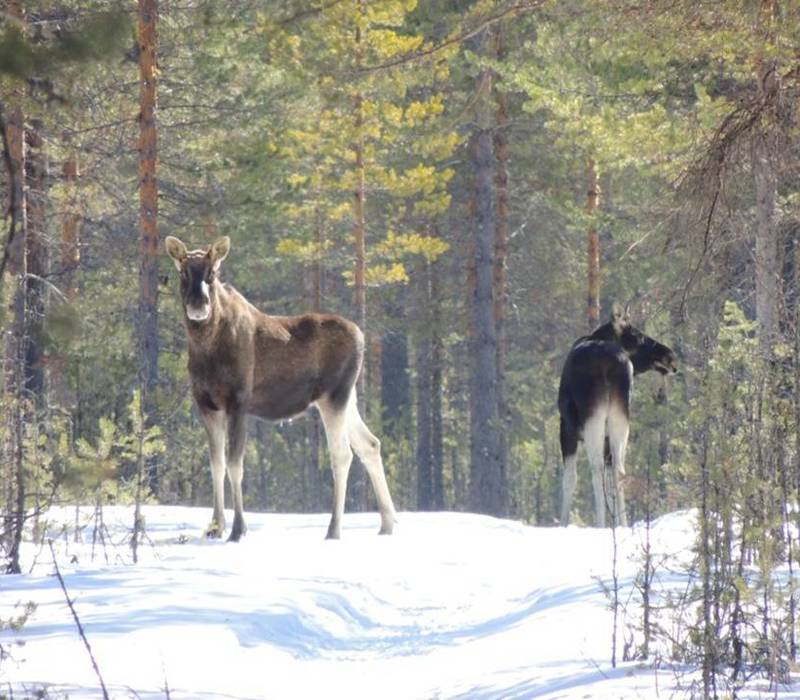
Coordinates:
(214,422)
(368,449)
(594,438)
(569,452)
(618,430)
(237,434)
(334,419)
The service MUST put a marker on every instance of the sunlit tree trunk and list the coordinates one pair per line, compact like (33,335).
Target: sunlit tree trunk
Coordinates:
(148,215)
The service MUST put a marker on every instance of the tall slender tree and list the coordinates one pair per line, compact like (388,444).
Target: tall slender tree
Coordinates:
(592,246)
(148,215)
(488,483)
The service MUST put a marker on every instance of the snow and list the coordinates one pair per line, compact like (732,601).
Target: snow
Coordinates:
(452,605)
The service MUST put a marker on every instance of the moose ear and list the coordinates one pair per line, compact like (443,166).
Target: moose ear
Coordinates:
(619,318)
(219,251)
(176,250)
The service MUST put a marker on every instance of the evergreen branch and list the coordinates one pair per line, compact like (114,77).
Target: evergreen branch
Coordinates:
(77,621)
(517,8)
(308,12)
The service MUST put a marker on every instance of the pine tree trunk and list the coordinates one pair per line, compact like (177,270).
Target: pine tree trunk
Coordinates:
(148,217)
(36,177)
(593,248)
(70,231)
(422,365)
(437,365)
(501,153)
(767,256)
(359,203)
(314,481)
(395,384)
(357,498)
(14,518)
(488,488)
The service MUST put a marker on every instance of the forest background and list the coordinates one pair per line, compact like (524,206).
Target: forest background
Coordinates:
(475,183)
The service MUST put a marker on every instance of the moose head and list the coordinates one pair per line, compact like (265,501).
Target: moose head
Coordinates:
(198,269)
(644,352)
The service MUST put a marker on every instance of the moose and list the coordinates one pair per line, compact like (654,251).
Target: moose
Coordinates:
(244,362)
(594,406)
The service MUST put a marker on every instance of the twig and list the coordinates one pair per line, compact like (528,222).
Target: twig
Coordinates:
(77,621)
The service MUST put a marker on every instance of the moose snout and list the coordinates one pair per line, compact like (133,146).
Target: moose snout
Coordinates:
(667,364)
(198,313)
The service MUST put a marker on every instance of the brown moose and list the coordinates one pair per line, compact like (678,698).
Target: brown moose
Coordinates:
(242,361)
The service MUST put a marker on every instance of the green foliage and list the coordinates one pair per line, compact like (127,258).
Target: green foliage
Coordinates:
(101,33)
(98,467)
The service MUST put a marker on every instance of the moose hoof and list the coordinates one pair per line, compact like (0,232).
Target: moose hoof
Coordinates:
(386,530)
(236,534)
(214,531)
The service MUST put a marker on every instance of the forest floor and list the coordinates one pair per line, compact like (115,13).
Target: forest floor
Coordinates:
(452,605)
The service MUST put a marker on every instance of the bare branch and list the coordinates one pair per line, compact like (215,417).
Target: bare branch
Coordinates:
(78,621)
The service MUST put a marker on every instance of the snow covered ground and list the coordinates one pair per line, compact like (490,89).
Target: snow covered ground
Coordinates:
(451,606)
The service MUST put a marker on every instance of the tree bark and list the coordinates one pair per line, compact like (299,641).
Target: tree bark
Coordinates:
(488,487)
(70,231)
(14,519)
(395,384)
(36,177)
(437,368)
(501,152)
(593,247)
(148,216)
(423,367)
(313,497)
(357,499)
(767,256)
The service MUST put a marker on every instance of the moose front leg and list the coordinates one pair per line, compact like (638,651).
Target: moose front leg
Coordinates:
(214,422)
(237,434)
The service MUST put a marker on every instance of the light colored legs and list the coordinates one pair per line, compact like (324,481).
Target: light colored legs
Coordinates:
(237,435)
(568,482)
(606,482)
(226,438)
(594,435)
(335,422)
(618,429)
(346,432)
(214,422)
(368,449)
